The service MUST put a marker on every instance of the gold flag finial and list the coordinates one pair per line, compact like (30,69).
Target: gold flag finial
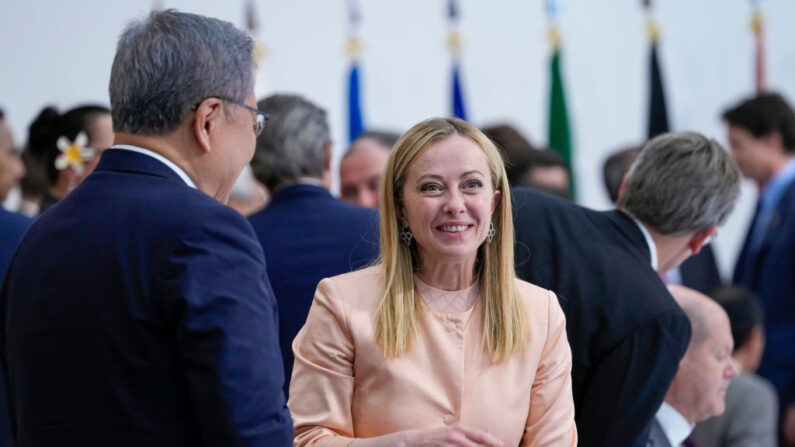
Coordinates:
(260,52)
(653,30)
(757,19)
(354,46)
(554,36)
(454,41)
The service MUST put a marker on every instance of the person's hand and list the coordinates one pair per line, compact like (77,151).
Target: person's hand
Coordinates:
(789,426)
(452,436)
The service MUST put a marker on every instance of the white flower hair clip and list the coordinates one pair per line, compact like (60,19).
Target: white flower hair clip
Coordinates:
(73,153)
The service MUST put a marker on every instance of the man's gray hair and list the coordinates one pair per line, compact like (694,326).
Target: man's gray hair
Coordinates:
(293,143)
(166,64)
(681,182)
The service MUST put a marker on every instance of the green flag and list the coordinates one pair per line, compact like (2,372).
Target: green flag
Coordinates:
(559,138)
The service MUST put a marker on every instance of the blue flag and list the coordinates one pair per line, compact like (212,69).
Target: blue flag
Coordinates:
(459,111)
(355,120)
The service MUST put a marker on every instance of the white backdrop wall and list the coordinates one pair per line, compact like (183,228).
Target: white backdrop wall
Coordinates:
(60,52)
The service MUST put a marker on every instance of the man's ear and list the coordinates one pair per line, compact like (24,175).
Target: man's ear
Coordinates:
(700,237)
(207,119)
(773,140)
(623,185)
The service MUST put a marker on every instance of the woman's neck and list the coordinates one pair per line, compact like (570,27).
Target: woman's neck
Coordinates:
(447,275)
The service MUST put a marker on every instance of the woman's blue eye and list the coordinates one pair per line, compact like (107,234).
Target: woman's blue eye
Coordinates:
(430,187)
(474,184)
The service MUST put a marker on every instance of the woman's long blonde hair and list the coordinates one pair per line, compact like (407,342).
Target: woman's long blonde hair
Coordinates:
(506,326)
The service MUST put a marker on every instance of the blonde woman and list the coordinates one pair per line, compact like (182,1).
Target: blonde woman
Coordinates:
(440,343)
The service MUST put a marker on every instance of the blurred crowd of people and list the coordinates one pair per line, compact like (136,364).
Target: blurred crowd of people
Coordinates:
(173,278)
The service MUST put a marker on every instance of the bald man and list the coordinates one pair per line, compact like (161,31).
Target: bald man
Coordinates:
(362,168)
(698,390)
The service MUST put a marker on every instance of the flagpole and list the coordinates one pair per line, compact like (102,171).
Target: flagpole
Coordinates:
(354,48)
(658,110)
(558,132)
(251,19)
(454,44)
(757,26)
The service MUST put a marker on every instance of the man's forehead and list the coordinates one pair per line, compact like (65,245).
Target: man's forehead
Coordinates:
(720,335)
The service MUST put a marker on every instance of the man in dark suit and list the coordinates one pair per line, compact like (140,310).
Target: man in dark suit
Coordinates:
(700,271)
(12,228)
(762,141)
(137,310)
(306,233)
(626,332)
(12,225)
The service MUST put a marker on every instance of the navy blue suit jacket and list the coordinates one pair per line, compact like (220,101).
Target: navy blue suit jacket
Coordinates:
(769,271)
(309,235)
(137,312)
(626,332)
(12,228)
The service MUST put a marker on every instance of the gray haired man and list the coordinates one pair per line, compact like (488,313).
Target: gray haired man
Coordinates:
(626,333)
(306,233)
(137,311)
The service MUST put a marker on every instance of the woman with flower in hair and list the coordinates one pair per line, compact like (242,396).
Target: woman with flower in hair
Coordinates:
(67,147)
(439,343)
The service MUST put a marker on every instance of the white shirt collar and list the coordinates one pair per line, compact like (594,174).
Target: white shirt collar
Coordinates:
(159,158)
(649,242)
(675,426)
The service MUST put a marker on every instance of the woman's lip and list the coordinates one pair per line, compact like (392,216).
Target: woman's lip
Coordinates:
(455,224)
(465,228)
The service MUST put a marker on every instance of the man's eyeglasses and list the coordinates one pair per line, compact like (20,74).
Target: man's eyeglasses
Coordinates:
(259,123)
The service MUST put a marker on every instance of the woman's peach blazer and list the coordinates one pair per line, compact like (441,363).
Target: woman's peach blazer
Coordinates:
(343,387)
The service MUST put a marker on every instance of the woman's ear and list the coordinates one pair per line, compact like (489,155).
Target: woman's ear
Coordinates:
(495,200)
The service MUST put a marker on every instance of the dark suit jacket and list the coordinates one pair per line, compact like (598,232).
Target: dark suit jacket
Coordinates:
(12,228)
(769,271)
(309,235)
(627,334)
(700,271)
(137,312)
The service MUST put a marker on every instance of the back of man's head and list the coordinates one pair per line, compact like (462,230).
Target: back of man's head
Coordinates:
(614,168)
(763,115)
(168,63)
(514,148)
(698,390)
(681,182)
(294,143)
